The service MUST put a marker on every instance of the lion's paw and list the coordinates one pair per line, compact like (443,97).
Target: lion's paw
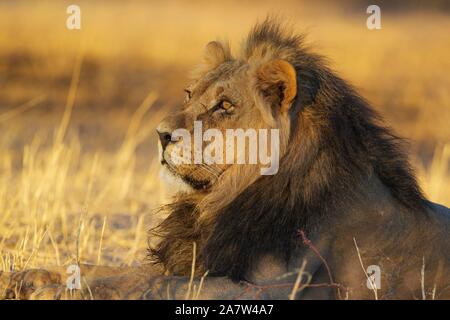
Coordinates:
(23,284)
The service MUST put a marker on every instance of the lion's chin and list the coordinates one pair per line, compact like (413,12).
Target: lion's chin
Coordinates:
(181,183)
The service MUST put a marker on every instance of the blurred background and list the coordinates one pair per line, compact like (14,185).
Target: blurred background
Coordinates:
(78,108)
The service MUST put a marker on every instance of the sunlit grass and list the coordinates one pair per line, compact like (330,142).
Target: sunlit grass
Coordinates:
(62,204)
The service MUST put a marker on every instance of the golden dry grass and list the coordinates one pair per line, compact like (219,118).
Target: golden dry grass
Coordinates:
(78,176)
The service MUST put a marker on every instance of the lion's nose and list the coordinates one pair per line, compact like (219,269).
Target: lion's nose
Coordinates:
(165,137)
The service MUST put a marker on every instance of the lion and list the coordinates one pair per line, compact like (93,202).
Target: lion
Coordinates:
(343,218)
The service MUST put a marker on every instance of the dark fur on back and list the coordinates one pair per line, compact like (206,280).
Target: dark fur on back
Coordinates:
(337,142)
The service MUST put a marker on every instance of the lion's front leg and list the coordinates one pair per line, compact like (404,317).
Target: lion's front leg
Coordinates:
(103,283)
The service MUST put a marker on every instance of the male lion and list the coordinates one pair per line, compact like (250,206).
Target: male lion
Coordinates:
(344,197)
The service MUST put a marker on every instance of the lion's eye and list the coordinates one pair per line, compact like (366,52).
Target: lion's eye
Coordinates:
(226,106)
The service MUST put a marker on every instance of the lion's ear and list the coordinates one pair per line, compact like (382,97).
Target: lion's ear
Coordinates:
(277,81)
(216,53)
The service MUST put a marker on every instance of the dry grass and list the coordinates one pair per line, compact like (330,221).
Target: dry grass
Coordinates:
(78,176)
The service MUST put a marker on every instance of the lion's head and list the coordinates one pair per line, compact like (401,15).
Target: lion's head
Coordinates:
(254,92)
(331,143)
